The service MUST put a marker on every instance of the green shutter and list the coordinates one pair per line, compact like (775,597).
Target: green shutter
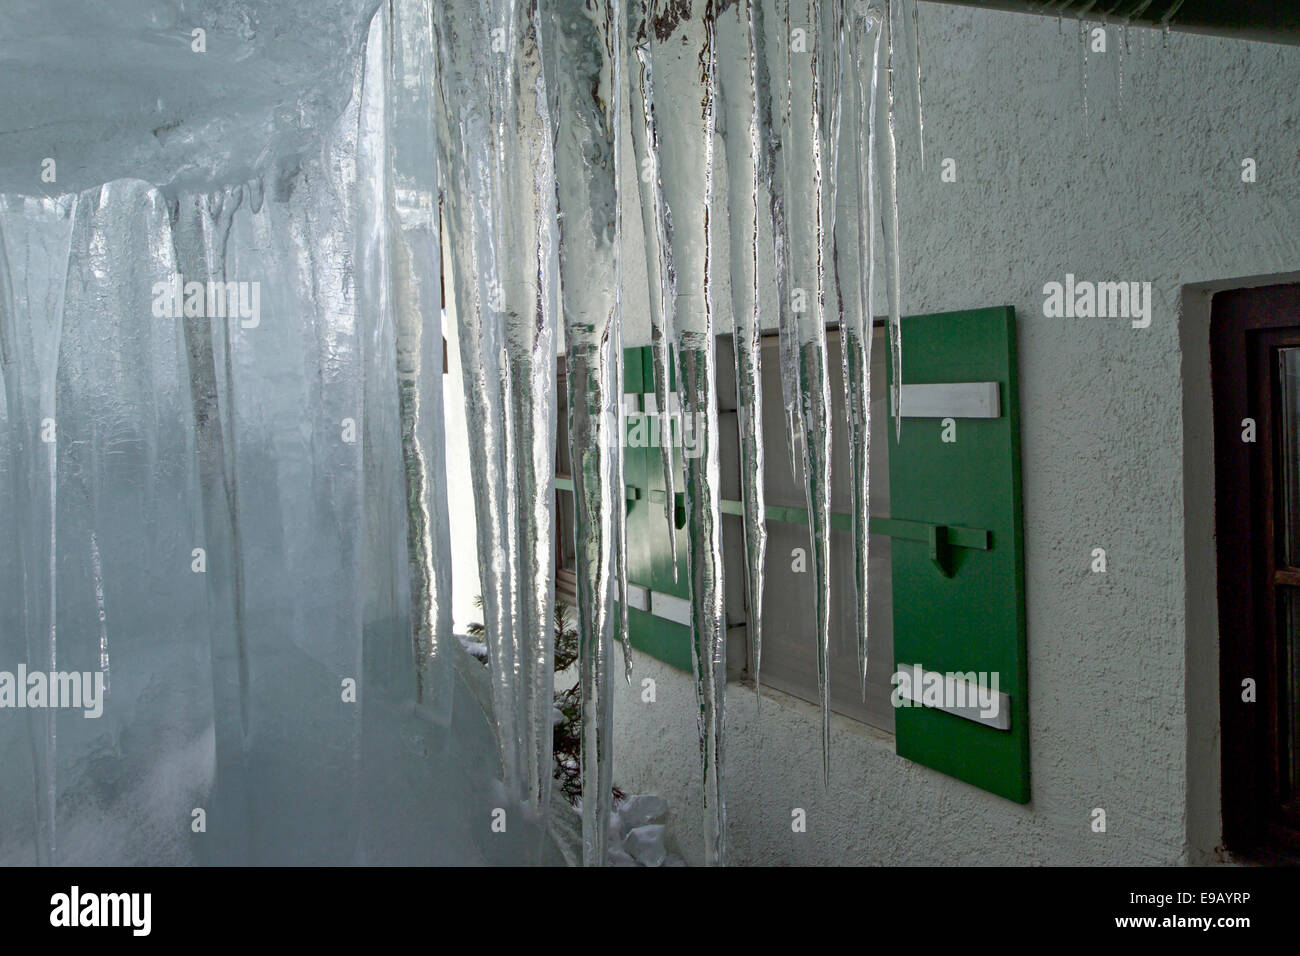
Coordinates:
(958,607)
(649,557)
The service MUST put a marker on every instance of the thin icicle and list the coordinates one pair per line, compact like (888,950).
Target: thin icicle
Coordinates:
(736,86)
(1123,46)
(916,59)
(835,247)
(773,98)
(856,333)
(97,573)
(891,235)
(659,263)
(584,42)
(1083,42)
(620,512)
(1168,18)
(805,150)
(683,49)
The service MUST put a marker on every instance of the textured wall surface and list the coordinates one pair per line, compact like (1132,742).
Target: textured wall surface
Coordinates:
(1142,186)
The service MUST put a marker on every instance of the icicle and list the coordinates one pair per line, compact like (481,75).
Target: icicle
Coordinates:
(496,139)
(807,180)
(1083,42)
(97,573)
(637,67)
(788,356)
(1168,18)
(416,267)
(736,86)
(620,513)
(584,45)
(1123,45)
(199,234)
(772,41)
(659,264)
(683,49)
(856,332)
(891,235)
(33,280)
(837,300)
(916,59)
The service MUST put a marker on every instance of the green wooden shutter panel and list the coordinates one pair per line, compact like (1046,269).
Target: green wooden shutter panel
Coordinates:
(649,556)
(958,564)
(959,608)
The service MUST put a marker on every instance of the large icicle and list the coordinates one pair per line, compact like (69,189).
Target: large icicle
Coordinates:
(659,263)
(34,259)
(805,181)
(683,51)
(416,263)
(773,95)
(584,40)
(200,231)
(499,195)
(856,330)
(736,86)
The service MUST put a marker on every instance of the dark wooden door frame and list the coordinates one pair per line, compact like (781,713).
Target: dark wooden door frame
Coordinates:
(1246,328)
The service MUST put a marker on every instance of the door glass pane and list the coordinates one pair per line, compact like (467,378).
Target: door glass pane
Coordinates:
(1289,686)
(1288,375)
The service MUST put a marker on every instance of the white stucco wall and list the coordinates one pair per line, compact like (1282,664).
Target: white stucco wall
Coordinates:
(1150,192)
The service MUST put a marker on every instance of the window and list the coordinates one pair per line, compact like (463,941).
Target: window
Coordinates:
(1255,343)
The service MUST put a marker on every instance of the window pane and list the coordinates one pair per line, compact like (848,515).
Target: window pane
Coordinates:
(1289,687)
(1288,373)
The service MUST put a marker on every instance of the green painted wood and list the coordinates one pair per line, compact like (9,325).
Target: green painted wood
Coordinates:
(633,363)
(662,573)
(971,618)
(647,542)
(843,521)
(636,473)
(664,640)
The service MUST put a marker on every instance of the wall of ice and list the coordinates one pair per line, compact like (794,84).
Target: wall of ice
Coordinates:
(118,90)
(234,518)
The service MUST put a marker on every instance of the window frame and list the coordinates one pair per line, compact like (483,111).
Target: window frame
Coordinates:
(1248,326)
